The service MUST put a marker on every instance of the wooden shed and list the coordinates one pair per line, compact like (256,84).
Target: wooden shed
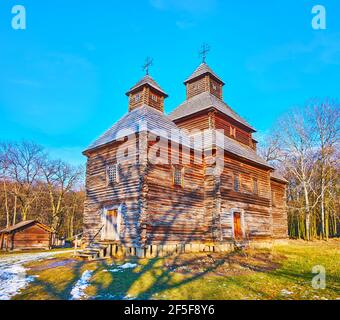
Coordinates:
(26,235)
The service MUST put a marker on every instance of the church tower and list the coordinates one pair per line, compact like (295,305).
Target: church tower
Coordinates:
(147,92)
(204,79)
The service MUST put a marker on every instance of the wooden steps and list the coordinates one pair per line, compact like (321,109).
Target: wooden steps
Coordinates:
(94,251)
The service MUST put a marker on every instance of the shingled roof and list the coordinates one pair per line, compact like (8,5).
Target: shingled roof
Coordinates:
(148,119)
(141,119)
(205,101)
(277,176)
(23,224)
(232,146)
(243,151)
(203,69)
(147,80)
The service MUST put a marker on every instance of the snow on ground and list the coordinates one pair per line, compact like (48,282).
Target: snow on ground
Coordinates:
(13,276)
(122,267)
(128,266)
(78,291)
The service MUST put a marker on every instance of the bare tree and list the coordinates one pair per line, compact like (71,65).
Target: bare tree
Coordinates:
(324,115)
(271,148)
(297,139)
(4,167)
(304,146)
(60,179)
(25,161)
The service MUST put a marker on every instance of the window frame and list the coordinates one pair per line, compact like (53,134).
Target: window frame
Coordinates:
(238,179)
(154,97)
(108,179)
(137,97)
(255,186)
(176,169)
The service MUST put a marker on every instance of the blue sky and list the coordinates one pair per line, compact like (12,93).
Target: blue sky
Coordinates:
(63,79)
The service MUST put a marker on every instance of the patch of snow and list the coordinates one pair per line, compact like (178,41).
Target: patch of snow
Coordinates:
(128,266)
(13,276)
(77,292)
(286,292)
(123,267)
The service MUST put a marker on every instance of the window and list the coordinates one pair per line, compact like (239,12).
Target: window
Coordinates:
(137,97)
(154,97)
(214,87)
(233,132)
(112,173)
(178,176)
(236,183)
(255,186)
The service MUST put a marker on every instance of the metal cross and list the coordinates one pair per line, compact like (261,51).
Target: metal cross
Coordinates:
(147,64)
(204,52)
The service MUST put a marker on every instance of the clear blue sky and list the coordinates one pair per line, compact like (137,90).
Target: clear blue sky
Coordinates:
(63,79)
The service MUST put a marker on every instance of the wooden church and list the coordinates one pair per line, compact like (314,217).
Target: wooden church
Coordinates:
(148,208)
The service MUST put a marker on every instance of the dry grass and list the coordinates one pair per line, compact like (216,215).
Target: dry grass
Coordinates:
(284,272)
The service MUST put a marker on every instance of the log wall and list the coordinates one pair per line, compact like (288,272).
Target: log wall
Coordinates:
(156,212)
(279,210)
(124,193)
(254,206)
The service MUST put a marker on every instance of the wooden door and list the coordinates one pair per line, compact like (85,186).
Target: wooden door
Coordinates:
(111,225)
(237,226)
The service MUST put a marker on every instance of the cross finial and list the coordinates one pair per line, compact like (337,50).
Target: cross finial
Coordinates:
(147,64)
(204,51)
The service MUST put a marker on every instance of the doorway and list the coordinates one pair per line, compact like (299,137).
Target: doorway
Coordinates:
(238,233)
(111,225)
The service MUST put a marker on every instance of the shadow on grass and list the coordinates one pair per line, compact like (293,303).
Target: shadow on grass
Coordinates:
(53,284)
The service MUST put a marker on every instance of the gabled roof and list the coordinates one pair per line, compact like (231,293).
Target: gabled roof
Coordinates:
(203,69)
(205,101)
(148,119)
(23,224)
(147,80)
(141,119)
(232,146)
(243,151)
(277,176)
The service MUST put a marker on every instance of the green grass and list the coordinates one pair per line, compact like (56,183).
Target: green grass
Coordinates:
(284,272)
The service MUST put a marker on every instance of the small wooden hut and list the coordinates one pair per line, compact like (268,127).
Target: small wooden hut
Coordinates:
(26,235)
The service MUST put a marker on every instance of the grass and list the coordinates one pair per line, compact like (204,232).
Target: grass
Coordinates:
(284,272)
(13,253)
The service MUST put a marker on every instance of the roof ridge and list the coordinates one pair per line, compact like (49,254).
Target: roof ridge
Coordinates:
(131,121)
(204,101)
(202,69)
(230,108)
(147,80)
